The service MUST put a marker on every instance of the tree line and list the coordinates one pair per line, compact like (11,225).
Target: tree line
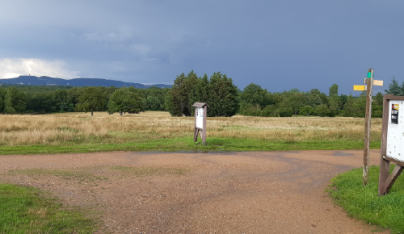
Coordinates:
(43,99)
(225,99)
(222,96)
(257,101)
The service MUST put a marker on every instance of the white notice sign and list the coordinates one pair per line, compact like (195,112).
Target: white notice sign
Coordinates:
(199,118)
(395,131)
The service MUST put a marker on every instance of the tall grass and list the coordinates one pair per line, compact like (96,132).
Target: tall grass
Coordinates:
(76,128)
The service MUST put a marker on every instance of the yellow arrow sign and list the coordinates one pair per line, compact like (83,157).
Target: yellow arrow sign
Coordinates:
(359,87)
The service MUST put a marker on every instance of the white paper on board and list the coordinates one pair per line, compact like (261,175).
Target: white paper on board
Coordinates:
(395,131)
(199,118)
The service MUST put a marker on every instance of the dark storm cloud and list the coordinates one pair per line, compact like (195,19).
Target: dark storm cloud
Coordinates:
(279,45)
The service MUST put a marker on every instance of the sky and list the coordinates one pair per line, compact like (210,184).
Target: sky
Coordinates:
(279,45)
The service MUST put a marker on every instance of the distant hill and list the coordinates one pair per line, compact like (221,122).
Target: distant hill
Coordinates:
(50,81)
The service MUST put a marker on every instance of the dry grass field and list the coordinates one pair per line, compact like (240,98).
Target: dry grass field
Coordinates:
(102,128)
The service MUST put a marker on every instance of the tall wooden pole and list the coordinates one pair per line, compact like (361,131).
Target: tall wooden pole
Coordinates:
(368,119)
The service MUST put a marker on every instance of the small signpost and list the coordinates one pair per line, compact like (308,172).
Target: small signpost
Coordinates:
(392,142)
(201,109)
(368,117)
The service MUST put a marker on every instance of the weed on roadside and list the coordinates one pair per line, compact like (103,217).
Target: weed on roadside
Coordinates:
(30,210)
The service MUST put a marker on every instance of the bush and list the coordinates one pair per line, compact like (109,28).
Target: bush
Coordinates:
(306,110)
(9,110)
(285,111)
(248,109)
(322,110)
(270,111)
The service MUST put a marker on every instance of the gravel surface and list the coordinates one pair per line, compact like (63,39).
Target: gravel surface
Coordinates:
(236,192)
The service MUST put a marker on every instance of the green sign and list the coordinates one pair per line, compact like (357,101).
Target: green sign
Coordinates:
(369,74)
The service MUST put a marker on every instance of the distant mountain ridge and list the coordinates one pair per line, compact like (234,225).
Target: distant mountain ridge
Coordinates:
(50,81)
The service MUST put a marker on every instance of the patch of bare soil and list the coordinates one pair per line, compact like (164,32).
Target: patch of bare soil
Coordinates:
(244,192)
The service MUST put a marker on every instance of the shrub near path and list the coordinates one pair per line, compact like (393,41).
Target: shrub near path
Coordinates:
(363,202)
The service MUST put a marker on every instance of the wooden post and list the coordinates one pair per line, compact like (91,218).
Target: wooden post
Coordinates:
(384,164)
(368,120)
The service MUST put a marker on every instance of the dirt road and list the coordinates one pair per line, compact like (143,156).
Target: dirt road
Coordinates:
(240,192)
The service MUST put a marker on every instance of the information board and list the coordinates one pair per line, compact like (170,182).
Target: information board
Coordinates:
(199,118)
(395,130)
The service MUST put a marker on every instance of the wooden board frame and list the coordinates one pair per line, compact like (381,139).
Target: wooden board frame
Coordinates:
(386,180)
(200,130)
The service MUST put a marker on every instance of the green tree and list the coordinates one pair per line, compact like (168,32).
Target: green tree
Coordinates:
(14,101)
(349,106)
(270,111)
(2,97)
(41,102)
(74,95)
(1,104)
(333,106)
(219,92)
(154,98)
(306,110)
(152,103)
(333,91)
(322,110)
(377,106)
(324,99)
(359,106)
(223,96)
(275,98)
(123,100)
(296,101)
(172,103)
(200,93)
(395,89)
(162,97)
(8,105)
(378,99)
(91,99)
(313,98)
(249,109)
(61,100)
(177,101)
(284,108)
(254,94)
(342,100)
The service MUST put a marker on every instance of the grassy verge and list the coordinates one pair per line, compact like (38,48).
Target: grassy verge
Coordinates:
(187,144)
(363,203)
(28,210)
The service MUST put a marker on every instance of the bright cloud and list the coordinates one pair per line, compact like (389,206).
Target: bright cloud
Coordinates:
(11,68)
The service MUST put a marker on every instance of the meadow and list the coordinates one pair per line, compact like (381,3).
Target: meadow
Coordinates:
(158,131)
(153,130)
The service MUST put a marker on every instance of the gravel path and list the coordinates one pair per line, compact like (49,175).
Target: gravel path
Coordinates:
(237,192)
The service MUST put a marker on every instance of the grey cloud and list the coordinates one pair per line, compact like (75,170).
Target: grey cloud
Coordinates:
(277,44)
